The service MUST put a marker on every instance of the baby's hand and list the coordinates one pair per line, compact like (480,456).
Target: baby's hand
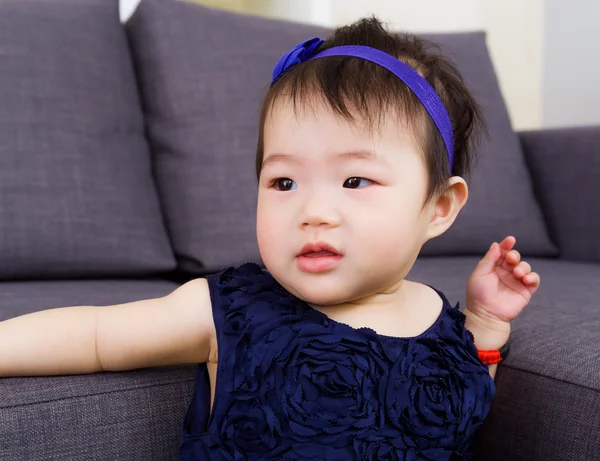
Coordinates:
(501,284)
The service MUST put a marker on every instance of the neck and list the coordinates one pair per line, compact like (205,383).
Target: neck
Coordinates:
(393,296)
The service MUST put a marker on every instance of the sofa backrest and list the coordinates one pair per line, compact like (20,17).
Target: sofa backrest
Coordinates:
(131,152)
(77,194)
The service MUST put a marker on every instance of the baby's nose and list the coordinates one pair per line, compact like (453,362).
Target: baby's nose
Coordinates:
(321,214)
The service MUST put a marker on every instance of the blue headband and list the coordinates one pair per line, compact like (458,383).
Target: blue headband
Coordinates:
(307,50)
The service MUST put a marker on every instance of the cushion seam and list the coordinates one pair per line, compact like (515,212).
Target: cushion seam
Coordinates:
(95,393)
(552,378)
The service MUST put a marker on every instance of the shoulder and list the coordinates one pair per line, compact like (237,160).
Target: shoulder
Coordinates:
(432,300)
(459,351)
(248,282)
(425,294)
(247,300)
(450,324)
(431,303)
(247,290)
(191,304)
(436,308)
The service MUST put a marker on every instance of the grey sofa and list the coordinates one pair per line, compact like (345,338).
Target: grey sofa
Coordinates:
(126,168)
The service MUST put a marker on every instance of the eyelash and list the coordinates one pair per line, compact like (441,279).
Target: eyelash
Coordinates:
(274,183)
(276,180)
(359,178)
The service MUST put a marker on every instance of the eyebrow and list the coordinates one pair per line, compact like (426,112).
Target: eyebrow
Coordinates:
(356,154)
(278,158)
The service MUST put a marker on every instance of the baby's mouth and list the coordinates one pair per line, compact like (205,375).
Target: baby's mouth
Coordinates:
(318,250)
(318,257)
(319,254)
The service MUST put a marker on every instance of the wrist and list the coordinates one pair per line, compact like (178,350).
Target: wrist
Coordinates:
(488,333)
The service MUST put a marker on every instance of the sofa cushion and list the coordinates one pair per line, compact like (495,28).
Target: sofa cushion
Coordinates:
(202,74)
(547,404)
(133,416)
(77,196)
(565,164)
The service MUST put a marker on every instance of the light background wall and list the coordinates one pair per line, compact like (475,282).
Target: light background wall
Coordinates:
(544,51)
(571,67)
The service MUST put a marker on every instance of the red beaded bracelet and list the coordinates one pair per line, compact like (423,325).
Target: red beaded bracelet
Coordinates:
(489,357)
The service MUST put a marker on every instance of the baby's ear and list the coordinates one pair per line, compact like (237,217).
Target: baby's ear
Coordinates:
(445,208)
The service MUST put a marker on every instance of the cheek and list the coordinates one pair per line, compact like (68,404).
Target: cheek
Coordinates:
(392,224)
(268,227)
(262,221)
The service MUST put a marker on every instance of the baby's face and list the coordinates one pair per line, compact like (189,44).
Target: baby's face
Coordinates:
(340,209)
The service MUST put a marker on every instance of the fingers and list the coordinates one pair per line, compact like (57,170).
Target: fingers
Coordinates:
(522,269)
(496,255)
(510,259)
(513,257)
(489,261)
(493,253)
(507,244)
(532,281)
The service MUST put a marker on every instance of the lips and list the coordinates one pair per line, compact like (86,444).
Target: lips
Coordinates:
(319,254)
(318,257)
(318,249)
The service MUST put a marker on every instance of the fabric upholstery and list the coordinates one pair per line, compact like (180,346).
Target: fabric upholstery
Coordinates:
(540,418)
(133,416)
(565,166)
(23,297)
(77,195)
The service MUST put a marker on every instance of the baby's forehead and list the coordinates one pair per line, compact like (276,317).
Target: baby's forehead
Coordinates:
(320,138)
(291,124)
(371,120)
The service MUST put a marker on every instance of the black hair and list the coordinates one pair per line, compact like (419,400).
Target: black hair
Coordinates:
(352,86)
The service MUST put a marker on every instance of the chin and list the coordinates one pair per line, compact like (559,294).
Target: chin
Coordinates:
(321,292)
(322,299)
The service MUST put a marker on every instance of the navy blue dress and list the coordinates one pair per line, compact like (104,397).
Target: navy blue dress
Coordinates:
(293,384)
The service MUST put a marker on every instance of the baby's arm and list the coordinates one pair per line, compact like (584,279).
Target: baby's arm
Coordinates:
(177,328)
(498,290)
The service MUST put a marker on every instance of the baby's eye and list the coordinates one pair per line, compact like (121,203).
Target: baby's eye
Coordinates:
(357,183)
(284,184)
